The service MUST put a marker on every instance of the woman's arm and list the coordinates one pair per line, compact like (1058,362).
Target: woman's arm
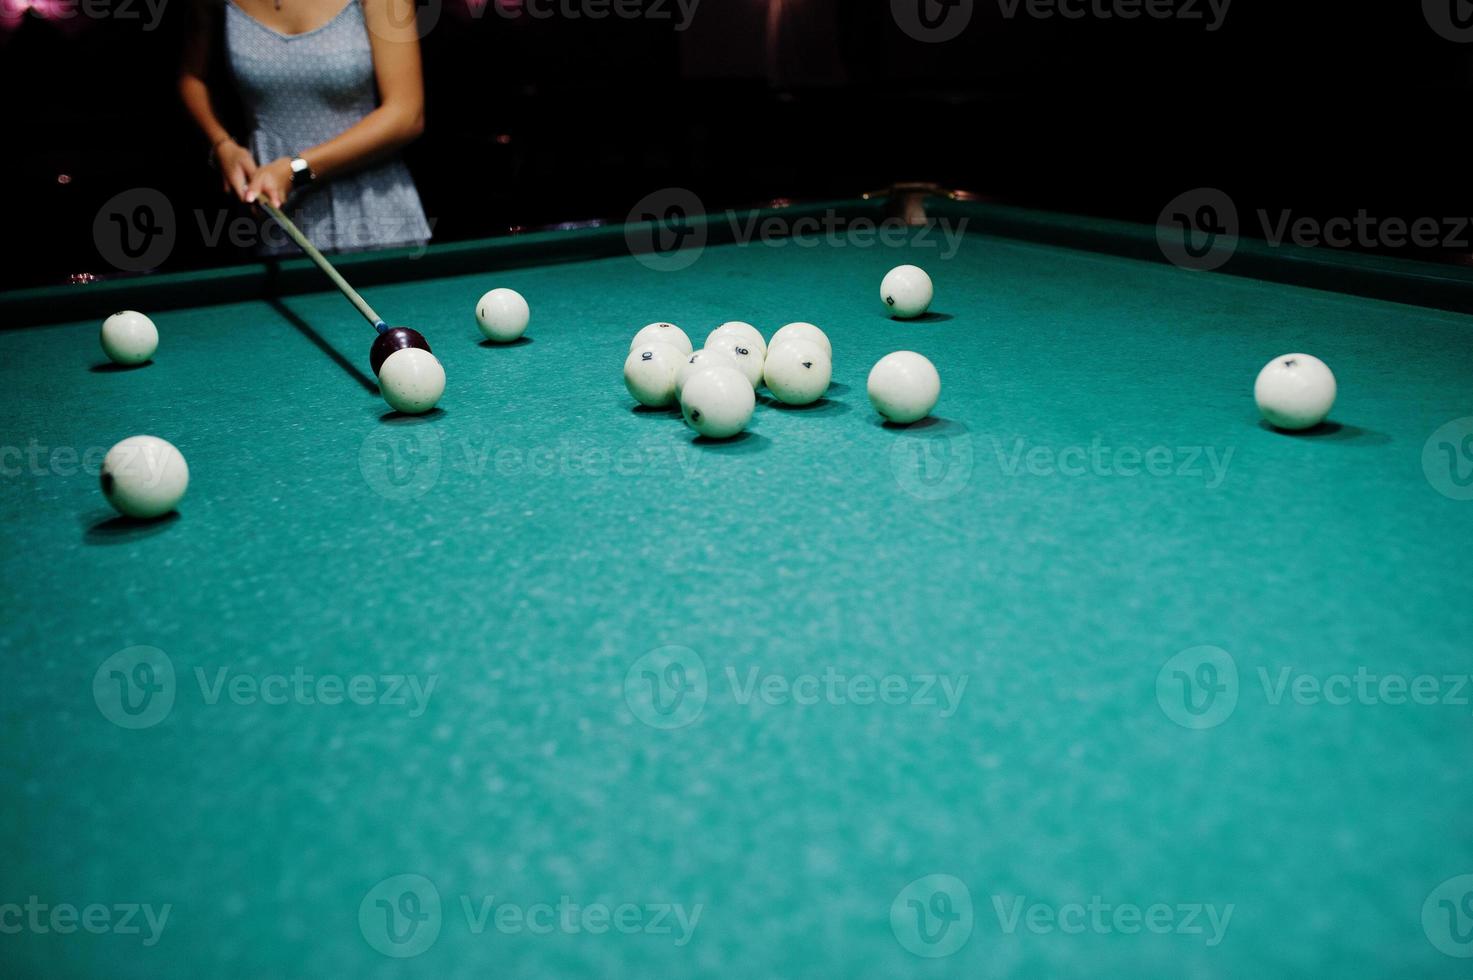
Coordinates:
(397,121)
(237,166)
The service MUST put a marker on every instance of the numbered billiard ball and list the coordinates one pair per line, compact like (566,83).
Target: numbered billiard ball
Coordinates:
(1295,391)
(665,333)
(391,340)
(748,356)
(907,291)
(803,331)
(797,372)
(740,330)
(706,357)
(129,337)
(718,403)
(649,373)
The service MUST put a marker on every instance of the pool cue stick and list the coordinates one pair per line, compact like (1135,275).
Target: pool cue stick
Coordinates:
(322,263)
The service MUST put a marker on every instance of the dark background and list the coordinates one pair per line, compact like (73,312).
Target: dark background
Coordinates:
(1319,109)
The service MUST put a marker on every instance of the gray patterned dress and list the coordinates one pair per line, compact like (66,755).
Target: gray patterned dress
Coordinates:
(303,89)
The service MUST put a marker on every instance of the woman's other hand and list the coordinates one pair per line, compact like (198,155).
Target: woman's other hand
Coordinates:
(272,181)
(237,167)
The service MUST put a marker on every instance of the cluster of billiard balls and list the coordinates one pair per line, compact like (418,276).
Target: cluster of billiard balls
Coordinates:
(412,378)
(716,386)
(145,476)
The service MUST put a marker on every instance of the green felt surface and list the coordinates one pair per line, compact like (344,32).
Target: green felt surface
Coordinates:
(524,548)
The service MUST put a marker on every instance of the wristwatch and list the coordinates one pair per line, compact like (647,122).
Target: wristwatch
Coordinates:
(302,174)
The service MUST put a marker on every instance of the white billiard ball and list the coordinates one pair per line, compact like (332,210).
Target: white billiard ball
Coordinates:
(411,380)
(904,386)
(503,315)
(797,372)
(747,355)
(706,357)
(665,333)
(144,476)
(649,373)
(803,331)
(907,291)
(129,337)
(745,331)
(1295,391)
(718,403)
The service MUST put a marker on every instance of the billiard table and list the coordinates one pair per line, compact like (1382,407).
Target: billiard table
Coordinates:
(1090,673)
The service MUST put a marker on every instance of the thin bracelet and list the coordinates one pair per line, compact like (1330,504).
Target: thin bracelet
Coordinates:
(215,150)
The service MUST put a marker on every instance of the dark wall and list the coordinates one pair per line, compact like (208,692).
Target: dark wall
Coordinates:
(1320,109)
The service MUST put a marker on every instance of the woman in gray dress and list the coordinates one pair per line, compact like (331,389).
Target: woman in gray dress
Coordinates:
(333,91)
